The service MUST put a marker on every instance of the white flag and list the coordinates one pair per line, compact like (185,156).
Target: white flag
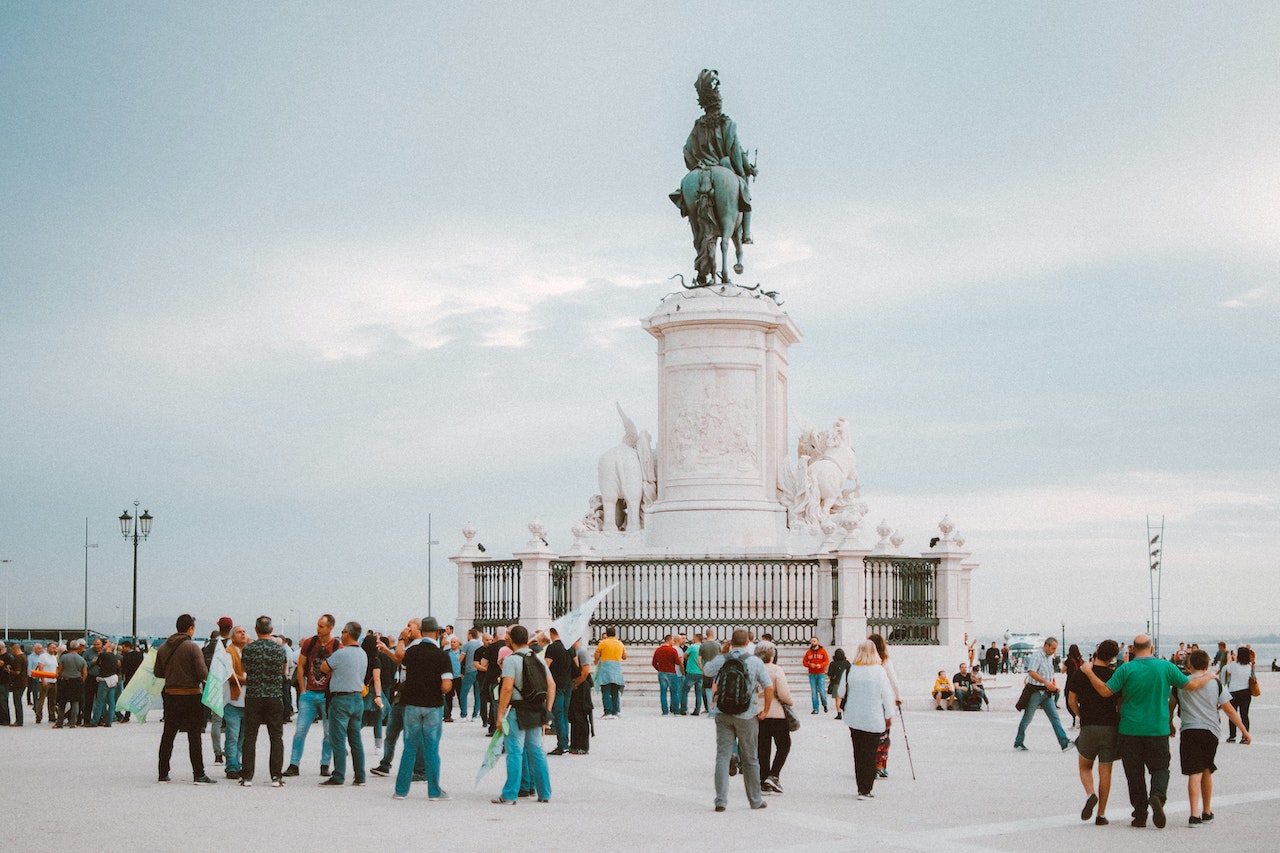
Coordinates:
(219,672)
(573,625)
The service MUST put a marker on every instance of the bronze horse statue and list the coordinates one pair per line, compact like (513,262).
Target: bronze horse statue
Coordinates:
(715,194)
(710,195)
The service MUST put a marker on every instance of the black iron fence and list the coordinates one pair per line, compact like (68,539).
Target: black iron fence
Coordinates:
(497,584)
(655,598)
(561,572)
(901,599)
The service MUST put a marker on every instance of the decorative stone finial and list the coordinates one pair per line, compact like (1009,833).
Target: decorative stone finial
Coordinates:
(946,526)
(579,535)
(959,539)
(896,540)
(883,529)
(468,532)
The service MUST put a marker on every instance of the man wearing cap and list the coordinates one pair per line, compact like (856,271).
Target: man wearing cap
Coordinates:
(215,720)
(428,677)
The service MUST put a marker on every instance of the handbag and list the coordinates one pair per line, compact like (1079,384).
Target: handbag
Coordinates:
(1254,689)
(1025,698)
(793,722)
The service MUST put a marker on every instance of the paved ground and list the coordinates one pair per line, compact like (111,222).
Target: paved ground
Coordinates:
(646,785)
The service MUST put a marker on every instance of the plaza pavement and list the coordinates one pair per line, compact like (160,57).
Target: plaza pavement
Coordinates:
(645,786)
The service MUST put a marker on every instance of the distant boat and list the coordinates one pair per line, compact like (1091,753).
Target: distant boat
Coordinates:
(1023,642)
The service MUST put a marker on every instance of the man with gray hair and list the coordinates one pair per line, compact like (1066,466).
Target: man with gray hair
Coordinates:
(1040,671)
(738,691)
(346,668)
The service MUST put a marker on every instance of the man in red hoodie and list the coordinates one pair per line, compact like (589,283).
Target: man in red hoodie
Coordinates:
(816,661)
(181,664)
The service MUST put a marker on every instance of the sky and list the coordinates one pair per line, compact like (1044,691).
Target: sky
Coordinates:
(299,277)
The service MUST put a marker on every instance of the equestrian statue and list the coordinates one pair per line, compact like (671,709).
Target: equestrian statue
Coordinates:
(714,195)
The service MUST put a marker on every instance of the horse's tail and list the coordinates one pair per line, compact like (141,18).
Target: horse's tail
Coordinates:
(706,225)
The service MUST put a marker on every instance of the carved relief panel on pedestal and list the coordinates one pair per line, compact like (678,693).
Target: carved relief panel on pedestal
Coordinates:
(713,425)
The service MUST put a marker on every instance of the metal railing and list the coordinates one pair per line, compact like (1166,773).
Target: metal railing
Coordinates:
(561,573)
(901,599)
(658,597)
(497,584)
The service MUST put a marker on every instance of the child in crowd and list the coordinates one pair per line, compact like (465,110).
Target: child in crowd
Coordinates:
(1198,710)
(942,690)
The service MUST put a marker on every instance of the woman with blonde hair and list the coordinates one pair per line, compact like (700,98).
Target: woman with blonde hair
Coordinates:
(882,750)
(867,701)
(774,743)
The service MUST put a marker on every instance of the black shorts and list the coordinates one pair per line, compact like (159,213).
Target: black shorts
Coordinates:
(1197,748)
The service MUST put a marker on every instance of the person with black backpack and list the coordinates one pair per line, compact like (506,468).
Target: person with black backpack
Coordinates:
(525,700)
(738,678)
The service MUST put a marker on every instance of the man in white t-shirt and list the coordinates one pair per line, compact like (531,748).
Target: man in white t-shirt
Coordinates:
(47,698)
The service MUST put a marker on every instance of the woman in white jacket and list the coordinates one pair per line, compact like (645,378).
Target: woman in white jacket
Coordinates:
(867,702)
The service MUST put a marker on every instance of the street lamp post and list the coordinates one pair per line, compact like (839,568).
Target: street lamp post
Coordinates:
(87,546)
(430,543)
(7,572)
(135,528)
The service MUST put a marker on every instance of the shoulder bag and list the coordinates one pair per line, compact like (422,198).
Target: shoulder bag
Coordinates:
(793,722)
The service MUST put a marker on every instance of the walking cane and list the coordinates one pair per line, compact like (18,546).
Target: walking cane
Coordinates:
(907,742)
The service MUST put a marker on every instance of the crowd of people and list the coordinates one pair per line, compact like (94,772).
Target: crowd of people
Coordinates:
(1124,701)
(73,685)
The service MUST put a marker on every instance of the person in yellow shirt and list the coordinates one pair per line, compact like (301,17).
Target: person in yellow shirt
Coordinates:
(610,653)
(942,691)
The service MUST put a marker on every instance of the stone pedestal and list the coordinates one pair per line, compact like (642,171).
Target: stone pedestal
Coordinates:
(722,423)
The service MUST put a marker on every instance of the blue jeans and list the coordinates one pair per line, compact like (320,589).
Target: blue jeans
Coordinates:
(611,696)
(818,690)
(1042,699)
(310,709)
(668,685)
(560,717)
(692,681)
(468,687)
(520,742)
(104,704)
(422,730)
(233,730)
(345,715)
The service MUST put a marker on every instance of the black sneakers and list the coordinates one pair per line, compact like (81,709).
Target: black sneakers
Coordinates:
(1157,811)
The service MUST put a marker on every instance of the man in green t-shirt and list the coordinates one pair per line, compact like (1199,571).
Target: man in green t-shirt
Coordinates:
(1144,684)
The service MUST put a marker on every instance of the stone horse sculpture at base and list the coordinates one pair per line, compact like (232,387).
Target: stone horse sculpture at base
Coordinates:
(628,479)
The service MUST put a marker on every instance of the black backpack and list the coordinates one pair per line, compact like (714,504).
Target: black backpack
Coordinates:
(533,683)
(733,686)
(531,708)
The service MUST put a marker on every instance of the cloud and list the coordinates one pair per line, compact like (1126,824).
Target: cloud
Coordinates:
(1256,296)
